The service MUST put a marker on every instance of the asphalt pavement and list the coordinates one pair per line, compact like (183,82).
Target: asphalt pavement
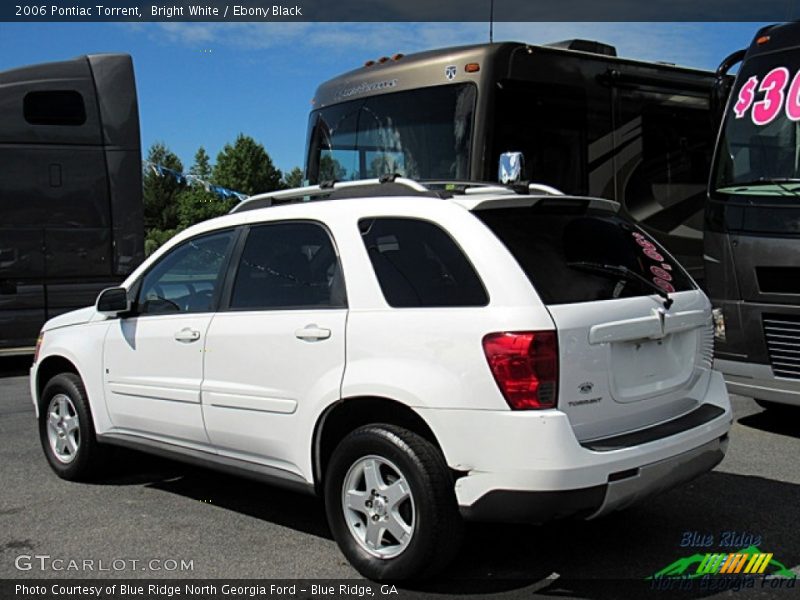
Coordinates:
(177,521)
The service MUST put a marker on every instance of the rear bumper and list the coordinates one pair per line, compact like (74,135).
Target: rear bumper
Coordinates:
(758,381)
(529,466)
(632,487)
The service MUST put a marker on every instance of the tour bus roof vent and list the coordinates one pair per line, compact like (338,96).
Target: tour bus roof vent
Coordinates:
(586,46)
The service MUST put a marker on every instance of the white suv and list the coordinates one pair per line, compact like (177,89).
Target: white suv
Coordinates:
(415,356)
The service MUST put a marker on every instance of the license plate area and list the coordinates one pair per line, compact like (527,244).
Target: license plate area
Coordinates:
(647,367)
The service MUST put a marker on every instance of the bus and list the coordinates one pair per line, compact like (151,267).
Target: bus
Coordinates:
(71,216)
(752,241)
(586,121)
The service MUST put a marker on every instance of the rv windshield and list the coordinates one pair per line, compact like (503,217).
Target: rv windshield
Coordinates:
(423,134)
(759,150)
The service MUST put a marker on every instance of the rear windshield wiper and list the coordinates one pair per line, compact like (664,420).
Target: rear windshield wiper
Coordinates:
(625,273)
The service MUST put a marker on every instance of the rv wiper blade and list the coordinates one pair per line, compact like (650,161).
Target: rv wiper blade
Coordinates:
(776,181)
(623,272)
(760,180)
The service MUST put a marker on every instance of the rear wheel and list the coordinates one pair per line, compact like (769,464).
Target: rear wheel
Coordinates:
(66,430)
(390,504)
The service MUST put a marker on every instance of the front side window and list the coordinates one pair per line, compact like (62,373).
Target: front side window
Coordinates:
(288,265)
(188,278)
(419,265)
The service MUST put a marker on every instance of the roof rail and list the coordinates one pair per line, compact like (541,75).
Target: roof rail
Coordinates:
(486,187)
(388,184)
(268,198)
(543,187)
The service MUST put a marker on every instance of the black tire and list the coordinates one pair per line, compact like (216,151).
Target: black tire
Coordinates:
(778,409)
(437,527)
(89,458)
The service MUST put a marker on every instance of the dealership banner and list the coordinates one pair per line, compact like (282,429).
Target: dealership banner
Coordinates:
(339,589)
(400,10)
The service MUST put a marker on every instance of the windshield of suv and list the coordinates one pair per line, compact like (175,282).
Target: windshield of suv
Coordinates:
(759,149)
(585,256)
(423,134)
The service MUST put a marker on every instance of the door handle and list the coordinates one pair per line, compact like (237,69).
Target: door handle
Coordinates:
(187,334)
(312,332)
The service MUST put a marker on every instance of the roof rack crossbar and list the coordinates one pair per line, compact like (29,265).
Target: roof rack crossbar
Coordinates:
(267,198)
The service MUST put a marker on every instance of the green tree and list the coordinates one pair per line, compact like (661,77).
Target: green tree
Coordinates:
(331,169)
(154,238)
(246,167)
(195,203)
(160,192)
(293,178)
(202,165)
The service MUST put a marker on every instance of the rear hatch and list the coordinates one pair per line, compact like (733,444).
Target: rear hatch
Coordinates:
(634,331)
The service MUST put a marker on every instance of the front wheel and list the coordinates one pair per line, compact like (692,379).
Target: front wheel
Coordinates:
(390,504)
(66,430)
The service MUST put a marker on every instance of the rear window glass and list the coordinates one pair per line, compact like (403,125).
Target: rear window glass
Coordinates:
(584,257)
(418,264)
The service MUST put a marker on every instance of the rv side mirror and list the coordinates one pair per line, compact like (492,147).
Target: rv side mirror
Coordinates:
(511,167)
(113,301)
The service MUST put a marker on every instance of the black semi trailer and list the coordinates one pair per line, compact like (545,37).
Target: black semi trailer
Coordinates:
(71,217)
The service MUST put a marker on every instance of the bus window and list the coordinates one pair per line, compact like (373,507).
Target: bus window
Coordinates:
(338,165)
(379,162)
(387,133)
(664,158)
(548,124)
(753,153)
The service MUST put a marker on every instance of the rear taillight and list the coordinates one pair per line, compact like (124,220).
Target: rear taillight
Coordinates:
(525,367)
(39,341)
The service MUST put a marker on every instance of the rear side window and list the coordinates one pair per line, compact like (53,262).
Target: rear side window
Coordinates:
(288,265)
(581,257)
(419,265)
(57,107)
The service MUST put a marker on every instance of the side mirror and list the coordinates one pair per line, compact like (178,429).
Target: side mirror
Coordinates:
(113,301)
(511,167)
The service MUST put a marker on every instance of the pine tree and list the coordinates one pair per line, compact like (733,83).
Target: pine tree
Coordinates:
(160,191)
(196,203)
(246,167)
(293,178)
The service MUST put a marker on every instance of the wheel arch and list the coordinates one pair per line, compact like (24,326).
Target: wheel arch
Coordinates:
(348,414)
(48,368)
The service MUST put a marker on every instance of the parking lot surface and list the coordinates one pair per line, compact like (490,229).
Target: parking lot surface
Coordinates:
(177,521)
